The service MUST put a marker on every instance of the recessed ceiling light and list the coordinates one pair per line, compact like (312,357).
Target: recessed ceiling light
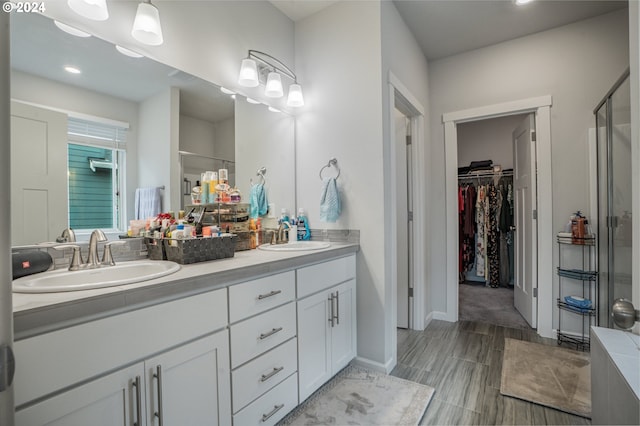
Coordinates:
(233,96)
(71,30)
(72,70)
(521,2)
(128,52)
(272,109)
(227,91)
(252,101)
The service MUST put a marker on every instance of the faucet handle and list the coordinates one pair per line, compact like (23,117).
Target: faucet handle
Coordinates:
(76,259)
(107,256)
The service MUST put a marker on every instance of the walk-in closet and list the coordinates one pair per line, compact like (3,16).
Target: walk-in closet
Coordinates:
(486,233)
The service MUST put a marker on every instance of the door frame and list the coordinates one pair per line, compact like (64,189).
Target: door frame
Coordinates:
(414,110)
(541,107)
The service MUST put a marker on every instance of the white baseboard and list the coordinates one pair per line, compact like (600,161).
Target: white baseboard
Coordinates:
(428,320)
(443,316)
(375,366)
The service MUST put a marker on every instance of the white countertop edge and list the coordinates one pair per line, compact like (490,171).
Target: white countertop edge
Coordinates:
(623,349)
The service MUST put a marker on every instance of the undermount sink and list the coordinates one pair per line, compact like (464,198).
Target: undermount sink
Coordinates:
(297,246)
(85,279)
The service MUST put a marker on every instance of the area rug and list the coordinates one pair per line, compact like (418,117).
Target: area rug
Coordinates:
(357,396)
(547,375)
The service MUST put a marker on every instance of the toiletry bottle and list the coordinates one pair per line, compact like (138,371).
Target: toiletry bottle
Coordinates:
(284,215)
(252,233)
(258,231)
(303,225)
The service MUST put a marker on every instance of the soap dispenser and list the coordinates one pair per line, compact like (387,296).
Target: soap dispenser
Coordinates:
(303,225)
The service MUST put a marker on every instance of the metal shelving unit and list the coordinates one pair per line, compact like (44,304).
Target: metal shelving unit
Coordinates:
(588,277)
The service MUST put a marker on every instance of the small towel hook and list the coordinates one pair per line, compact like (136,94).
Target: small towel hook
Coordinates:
(333,162)
(261,172)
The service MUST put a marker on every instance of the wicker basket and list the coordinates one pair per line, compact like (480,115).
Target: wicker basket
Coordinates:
(155,248)
(195,250)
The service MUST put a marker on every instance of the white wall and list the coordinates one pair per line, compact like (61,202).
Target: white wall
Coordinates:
(487,140)
(197,136)
(576,64)
(44,92)
(338,60)
(156,144)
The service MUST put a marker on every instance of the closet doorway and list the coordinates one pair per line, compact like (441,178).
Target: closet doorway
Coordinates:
(490,273)
(541,293)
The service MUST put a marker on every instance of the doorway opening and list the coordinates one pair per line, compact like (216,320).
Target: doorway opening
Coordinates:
(488,264)
(540,290)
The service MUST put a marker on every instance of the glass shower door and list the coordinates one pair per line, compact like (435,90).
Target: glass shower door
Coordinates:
(613,123)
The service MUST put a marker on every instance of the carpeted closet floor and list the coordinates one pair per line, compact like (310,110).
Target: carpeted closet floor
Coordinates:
(489,305)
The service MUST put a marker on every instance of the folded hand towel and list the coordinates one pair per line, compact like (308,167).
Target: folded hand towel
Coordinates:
(330,206)
(148,202)
(258,204)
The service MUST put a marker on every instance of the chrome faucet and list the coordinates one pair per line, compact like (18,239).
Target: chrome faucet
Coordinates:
(92,258)
(284,225)
(68,236)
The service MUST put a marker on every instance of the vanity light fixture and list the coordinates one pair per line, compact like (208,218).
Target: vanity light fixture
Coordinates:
(90,9)
(71,30)
(128,52)
(146,26)
(261,67)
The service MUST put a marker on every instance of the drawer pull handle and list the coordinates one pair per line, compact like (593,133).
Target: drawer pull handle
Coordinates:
(337,315)
(158,376)
(276,408)
(271,293)
(270,333)
(332,317)
(275,371)
(136,384)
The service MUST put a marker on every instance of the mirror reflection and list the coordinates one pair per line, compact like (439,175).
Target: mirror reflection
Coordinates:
(83,142)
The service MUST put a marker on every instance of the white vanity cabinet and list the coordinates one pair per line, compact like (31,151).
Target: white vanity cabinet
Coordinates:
(327,339)
(168,364)
(263,349)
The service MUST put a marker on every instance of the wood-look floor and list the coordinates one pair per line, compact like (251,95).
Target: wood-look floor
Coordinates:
(463,362)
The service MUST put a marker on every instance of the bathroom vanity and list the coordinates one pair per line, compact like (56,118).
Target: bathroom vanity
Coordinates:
(236,341)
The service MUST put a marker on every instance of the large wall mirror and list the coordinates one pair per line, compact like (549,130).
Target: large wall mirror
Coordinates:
(124,123)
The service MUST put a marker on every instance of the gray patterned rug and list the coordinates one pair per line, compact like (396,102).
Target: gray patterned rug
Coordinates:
(356,396)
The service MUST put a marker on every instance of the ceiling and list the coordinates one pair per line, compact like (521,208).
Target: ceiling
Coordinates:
(448,27)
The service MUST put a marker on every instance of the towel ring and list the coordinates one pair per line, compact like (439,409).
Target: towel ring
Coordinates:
(333,162)
(261,172)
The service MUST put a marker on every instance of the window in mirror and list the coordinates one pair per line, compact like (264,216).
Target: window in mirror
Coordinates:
(95,160)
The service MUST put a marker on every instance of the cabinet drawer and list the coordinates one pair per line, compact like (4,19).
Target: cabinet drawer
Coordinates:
(253,297)
(272,406)
(314,278)
(256,335)
(263,373)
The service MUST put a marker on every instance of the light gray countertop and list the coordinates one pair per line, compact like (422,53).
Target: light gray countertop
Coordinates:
(38,313)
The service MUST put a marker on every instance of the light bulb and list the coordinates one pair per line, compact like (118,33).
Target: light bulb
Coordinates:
(90,9)
(295,98)
(274,86)
(248,73)
(146,26)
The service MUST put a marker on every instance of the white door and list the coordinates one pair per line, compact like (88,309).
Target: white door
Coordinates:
(109,401)
(190,385)
(524,182)
(343,333)
(314,343)
(402,241)
(38,174)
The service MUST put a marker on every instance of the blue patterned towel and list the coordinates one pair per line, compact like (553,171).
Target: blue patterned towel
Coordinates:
(330,206)
(258,204)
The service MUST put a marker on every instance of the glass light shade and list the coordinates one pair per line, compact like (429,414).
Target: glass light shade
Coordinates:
(71,30)
(295,98)
(146,26)
(274,86)
(90,9)
(248,73)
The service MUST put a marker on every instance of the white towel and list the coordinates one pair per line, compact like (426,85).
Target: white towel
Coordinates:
(330,206)
(148,202)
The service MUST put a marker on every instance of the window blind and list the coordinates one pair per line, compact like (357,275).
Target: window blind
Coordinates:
(96,134)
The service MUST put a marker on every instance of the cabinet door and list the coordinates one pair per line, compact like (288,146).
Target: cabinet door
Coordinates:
(314,340)
(108,401)
(343,333)
(190,385)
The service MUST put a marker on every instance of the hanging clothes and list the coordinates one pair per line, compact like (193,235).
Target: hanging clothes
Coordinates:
(493,237)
